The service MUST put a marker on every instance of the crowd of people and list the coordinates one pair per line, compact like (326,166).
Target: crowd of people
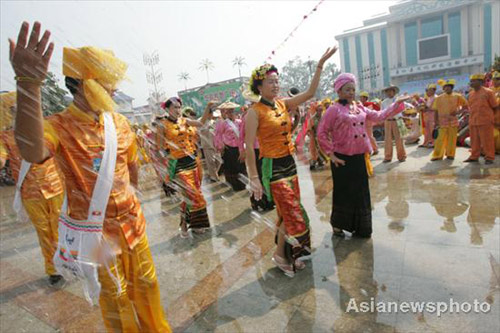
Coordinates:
(75,171)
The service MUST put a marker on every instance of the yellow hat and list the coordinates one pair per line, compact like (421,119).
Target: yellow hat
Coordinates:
(496,75)
(477,76)
(7,101)
(431,86)
(364,94)
(326,101)
(100,71)
(449,82)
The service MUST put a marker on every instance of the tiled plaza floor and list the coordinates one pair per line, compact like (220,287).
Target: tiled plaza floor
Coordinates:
(436,237)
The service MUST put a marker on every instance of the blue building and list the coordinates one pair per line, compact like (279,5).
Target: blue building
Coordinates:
(421,41)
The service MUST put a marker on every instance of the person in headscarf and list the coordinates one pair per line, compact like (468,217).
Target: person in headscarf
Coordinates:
(447,106)
(75,137)
(391,127)
(342,135)
(40,186)
(226,141)
(482,107)
(177,138)
(270,121)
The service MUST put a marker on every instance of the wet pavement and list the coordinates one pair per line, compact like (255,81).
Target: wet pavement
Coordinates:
(436,238)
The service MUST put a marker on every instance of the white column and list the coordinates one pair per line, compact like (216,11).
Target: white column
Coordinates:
(365,58)
(342,54)
(495,27)
(352,54)
(378,60)
(464,25)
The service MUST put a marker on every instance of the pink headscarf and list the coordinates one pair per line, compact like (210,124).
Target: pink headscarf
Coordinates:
(342,80)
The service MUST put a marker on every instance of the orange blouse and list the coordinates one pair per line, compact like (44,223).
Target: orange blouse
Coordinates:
(178,137)
(42,182)
(76,139)
(274,131)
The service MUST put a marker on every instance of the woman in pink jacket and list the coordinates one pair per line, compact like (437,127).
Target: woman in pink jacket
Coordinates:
(342,135)
(226,141)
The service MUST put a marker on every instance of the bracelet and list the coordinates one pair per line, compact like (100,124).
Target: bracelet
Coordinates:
(253,177)
(28,79)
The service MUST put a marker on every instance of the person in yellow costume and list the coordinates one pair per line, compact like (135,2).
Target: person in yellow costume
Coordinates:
(41,189)
(496,89)
(446,107)
(76,138)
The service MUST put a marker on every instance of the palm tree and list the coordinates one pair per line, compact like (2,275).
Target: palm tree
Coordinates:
(184,76)
(240,62)
(206,65)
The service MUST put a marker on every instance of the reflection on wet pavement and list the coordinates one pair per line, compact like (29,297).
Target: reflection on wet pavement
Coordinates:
(436,237)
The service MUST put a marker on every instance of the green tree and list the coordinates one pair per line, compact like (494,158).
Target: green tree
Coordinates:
(496,64)
(239,62)
(206,65)
(298,73)
(52,96)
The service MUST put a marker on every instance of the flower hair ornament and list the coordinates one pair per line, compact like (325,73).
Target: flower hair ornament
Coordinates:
(259,74)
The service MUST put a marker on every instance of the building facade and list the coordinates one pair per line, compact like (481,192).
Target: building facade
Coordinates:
(421,41)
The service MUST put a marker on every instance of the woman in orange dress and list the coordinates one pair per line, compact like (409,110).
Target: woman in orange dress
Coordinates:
(270,121)
(177,140)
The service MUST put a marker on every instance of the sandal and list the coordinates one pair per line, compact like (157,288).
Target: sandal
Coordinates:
(300,265)
(184,233)
(286,268)
(338,232)
(200,231)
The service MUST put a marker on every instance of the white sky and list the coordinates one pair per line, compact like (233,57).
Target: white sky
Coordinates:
(184,33)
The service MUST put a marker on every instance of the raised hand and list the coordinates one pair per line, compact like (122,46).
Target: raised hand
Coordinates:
(30,58)
(403,98)
(327,55)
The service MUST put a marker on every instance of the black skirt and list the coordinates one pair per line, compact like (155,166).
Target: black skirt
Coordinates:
(351,208)
(233,168)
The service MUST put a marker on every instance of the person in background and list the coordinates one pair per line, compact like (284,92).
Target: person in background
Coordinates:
(447,106)
(40,186)
(226,141)
(496,89)
(391,128)
(177,139)
(482,107)
(428,115)
(316,159)
(212,157)
(363,98)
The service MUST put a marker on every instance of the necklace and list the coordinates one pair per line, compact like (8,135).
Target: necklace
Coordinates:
(353,109)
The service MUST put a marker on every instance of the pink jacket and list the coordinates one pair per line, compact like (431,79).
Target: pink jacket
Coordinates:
(242,137)
(342,132)
(226,134)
